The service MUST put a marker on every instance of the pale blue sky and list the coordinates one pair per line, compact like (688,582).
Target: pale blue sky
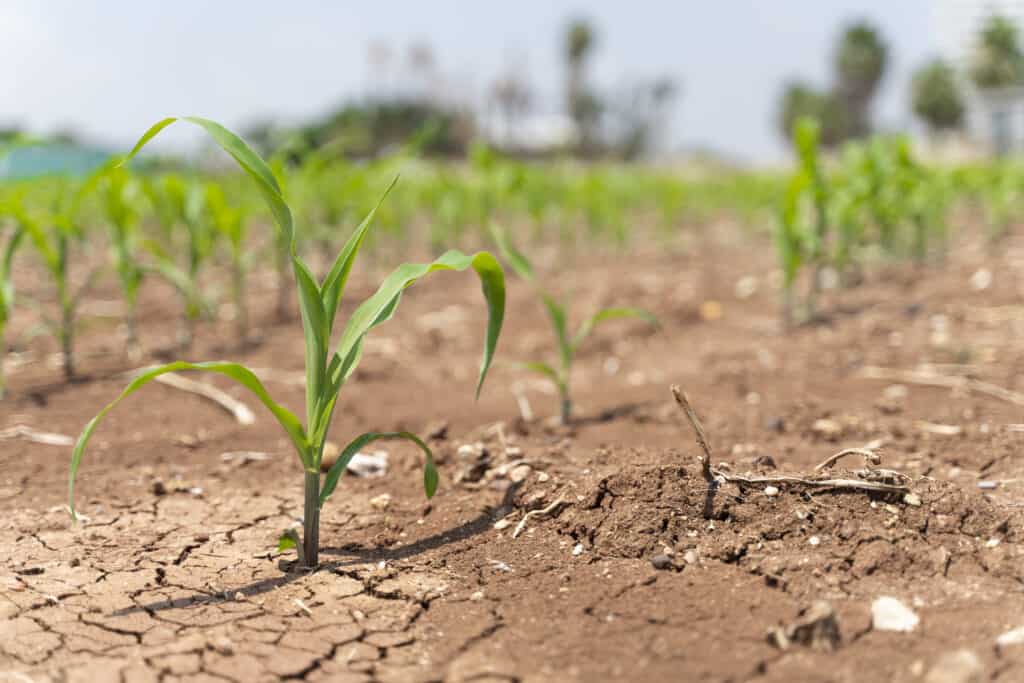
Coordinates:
(110,68)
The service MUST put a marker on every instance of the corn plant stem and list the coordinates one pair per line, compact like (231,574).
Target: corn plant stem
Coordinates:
(566,409)
(241,309)
(311,520)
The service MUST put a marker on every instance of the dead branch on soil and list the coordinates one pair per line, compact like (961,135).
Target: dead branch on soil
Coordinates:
(35,436)
(239,410)
(871,459)
(872,479)
(536,513)
(684,402)
(946,381)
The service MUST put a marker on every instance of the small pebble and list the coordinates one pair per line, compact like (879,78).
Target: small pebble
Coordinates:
(691,557)
(912,499)
(1014,637)
(889,614)
(661,562)
(159,489)
(771,491)
(987,485)
(577,549)
(814,540)
(477,596)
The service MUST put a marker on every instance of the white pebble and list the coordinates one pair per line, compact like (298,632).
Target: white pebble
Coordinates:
(577,549)
(889,614)
(771,491)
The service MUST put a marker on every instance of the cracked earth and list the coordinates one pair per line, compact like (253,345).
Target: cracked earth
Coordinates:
(173,574)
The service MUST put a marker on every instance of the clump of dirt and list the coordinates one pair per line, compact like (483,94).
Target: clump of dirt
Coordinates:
(943,530)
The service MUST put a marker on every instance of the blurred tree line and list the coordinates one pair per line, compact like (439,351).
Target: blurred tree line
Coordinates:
(623,123)
(937,91)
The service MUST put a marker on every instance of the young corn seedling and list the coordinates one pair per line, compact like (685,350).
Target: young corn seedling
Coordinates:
(326,371)
(568,344)
(178,202)
(790,243)
(232,224)
(119,197)
(806,133)
(7,294)
(53,233)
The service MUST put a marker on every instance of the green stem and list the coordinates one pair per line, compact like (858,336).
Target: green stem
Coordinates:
(311,520)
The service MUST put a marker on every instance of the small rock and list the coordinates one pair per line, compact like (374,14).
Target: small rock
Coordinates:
(775,424)
(889,614)
(765,462)
(543,477)
(520,473)
(816,627)
(437,431)
(503,524)
(662,562)
(477,596)
(691,557)
(223,646)
(771,491)
(959,666)
(368,464)
(1010,638)
(912,499)
(746,287)
(577,550)
(830,430)
(159,488)
(814,540)
(981,280)
(988,485)
(381,502)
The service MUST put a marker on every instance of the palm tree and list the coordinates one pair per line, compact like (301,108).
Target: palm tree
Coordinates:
(998,61)
(860,64)
(584,108)
(935,96)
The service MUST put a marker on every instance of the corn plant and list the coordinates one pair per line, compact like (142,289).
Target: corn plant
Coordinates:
(7,294)
(232,224)
(790,243)
(806,134)
(119,198)
(568,344)
(53,233)
(326,372)
(179,203)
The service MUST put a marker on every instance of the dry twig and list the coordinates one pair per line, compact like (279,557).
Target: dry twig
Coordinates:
(239,410)
(936,380)
(536,513)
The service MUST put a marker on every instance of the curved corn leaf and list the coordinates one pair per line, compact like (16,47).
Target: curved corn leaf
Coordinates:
(237,372)
(515,258)
(384,301)
(250,162)
(610,314)
(560,321)
(334,283)
(430,476)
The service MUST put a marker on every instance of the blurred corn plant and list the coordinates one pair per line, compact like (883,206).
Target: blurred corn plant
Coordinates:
(567,344)
(120,195)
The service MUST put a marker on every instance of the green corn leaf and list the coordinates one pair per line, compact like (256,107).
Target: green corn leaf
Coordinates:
(334,283)
(237,372)
(520,264)
(250,162)
(430,476)
(610,314)
(384,301)
(559,320)
(540,368)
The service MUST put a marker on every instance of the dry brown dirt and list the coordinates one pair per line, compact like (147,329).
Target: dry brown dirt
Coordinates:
(174,576)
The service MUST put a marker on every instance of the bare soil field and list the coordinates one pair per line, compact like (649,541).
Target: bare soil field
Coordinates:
(594,551)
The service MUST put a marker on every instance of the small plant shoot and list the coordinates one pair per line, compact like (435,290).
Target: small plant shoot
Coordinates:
(326,371)
(568,344)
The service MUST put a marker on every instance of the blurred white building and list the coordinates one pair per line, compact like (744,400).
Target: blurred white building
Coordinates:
(995,118)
